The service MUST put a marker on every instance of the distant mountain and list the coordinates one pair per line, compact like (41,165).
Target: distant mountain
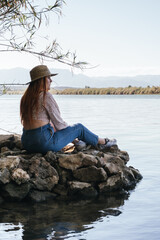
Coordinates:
(68,79)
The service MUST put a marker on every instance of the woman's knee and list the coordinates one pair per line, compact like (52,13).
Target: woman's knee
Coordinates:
(79,125)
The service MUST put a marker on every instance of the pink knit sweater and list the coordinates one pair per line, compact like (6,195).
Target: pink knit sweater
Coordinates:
(50,112)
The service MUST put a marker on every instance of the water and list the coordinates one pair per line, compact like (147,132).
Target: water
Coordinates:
(134,121)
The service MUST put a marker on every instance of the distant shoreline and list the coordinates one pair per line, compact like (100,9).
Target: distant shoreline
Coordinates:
(99,91)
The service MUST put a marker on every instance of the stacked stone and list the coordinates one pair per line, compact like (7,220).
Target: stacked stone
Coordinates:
(86,174)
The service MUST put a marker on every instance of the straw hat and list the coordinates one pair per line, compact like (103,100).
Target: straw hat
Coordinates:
(40,71)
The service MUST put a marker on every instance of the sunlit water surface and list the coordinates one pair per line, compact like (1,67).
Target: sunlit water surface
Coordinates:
(135,122)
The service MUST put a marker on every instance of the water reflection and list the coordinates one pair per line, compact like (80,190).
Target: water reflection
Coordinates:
(55,220)
(11,231)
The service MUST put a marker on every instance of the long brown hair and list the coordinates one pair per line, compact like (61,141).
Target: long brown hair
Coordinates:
(29,100)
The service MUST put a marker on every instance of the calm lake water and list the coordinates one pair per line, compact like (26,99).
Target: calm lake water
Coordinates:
(135,122)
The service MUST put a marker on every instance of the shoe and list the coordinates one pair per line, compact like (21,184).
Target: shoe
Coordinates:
(80,145)
(108,143)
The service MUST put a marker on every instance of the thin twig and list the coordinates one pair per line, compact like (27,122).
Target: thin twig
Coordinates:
(10,84)
(9,132)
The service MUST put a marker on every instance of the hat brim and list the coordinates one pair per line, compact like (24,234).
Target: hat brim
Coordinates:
(51,75)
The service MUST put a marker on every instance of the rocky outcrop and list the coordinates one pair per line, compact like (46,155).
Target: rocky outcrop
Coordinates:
(86,174)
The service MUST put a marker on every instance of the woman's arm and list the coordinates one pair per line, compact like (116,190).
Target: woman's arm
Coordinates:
(54,113)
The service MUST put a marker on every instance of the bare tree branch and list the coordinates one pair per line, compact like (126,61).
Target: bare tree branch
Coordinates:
(20,21)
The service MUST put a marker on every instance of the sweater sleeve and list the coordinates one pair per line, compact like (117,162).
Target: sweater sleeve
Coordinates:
(54,112)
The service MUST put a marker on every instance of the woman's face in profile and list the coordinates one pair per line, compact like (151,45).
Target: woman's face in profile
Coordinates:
(48,83)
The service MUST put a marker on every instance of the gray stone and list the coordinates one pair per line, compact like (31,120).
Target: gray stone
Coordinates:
(113,183)
(13,152)
(101,162)
(6,141)
(108,158)
(4,149)
(124,156)
(111,168)
(136,173)
(74,185)
(17,142)
(4,176)
(69,161)
(9,162)
(113,149)
(24,164)
(39,196)
(75,161)
(88,160)
(39,167)
(20,176)
(45,184)
(90,174)
(61,190)
(16,192)
(51,157)
(42,174)
(92,152)
(82,189)
(65,175)
(129,180)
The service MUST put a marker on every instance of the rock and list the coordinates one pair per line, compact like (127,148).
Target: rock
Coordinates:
(129,180)
(112,168)
(40,167)
(101,162)
(65,176)
(108,158)
(9,162)
(113,183)
(4,149)
(45,184)
(4,176)
(113,149)
(69,161)
(82,189)
(6,141)
(77,175)
(61,190)
(20,176)
(90,174)
(17,142)
(74,185)
(13,152)
(93,152)
(42,174)
(13,191)
(124,156)
(24,164)
(10,141)
(88,160)
(75,161)
(39,196)
(51,157)
(136,173)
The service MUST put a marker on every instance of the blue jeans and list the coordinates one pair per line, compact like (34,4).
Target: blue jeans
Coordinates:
(44,139)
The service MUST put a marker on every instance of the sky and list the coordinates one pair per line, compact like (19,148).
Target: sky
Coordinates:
(116,37)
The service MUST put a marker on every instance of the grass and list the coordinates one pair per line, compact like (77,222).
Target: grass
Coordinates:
(108,91)
(98,91)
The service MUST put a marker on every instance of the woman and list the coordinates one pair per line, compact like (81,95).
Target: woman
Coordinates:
(43,127)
